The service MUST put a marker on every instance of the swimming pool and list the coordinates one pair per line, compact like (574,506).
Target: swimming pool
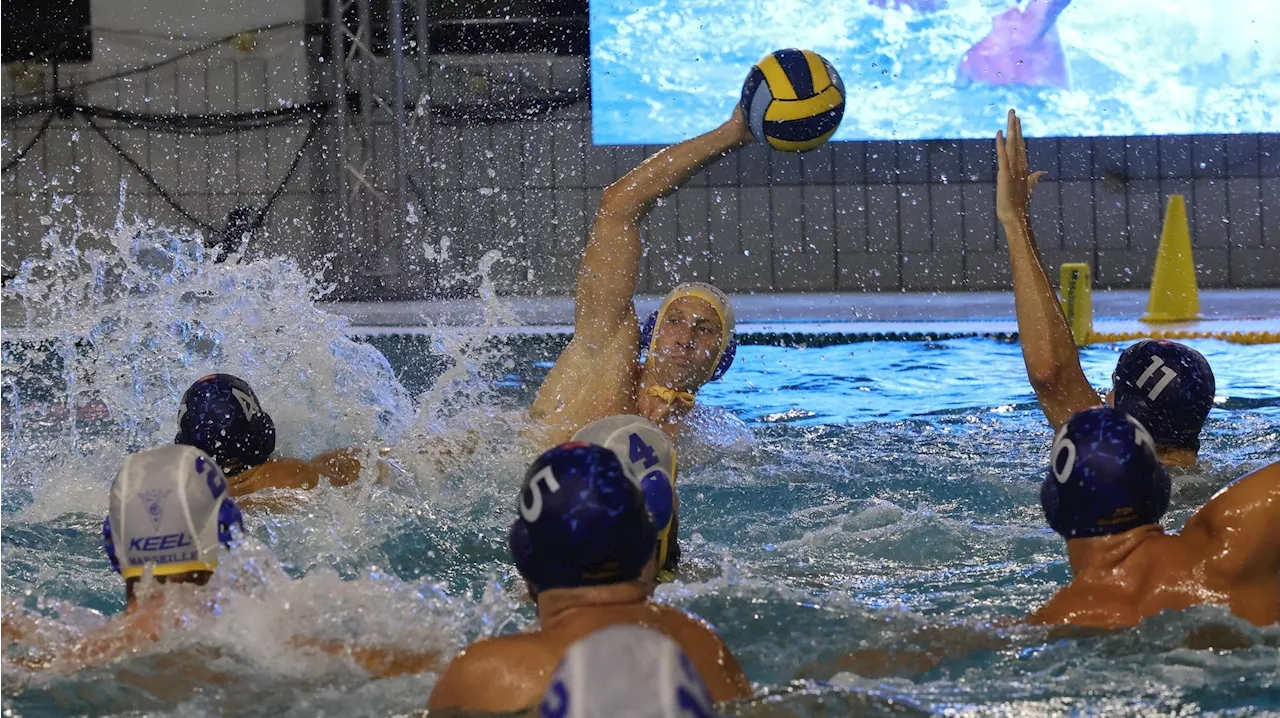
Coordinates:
(833,498)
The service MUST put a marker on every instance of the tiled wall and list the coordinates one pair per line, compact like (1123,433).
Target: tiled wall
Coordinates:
(862,216)
(206,175)
(913,216)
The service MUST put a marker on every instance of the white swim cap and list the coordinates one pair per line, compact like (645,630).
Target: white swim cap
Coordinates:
(626,672)
(169,509)
(649,458)
(638,442)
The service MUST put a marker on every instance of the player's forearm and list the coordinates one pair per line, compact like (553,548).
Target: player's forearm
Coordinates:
(378,662)
(341,466)
(1048,349)
(630,197)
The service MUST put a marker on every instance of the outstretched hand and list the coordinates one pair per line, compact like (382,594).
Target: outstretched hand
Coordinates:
(1014,179)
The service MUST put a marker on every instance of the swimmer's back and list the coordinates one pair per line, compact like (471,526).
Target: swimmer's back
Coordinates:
(511,672)
(1159,575)
(1228,553)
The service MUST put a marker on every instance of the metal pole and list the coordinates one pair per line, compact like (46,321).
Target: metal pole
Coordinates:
(422,30)
(367,226)
(424,97)
(338,159)
(400,191)
(424,144)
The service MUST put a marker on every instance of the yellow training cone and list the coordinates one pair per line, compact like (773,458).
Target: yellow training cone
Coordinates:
(1077,301)
(1174,297)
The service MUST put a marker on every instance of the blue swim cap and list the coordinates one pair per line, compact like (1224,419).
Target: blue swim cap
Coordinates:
(1167,386)
(1104,476)
(221,416)
(582,521)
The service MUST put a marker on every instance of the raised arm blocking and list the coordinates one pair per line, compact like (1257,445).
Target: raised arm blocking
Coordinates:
(1048,349)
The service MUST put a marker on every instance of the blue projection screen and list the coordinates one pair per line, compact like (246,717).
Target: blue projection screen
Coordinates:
(665,70)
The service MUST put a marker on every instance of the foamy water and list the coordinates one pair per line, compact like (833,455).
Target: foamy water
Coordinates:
(832,499)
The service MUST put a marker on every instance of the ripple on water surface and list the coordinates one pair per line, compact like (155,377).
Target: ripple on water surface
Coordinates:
(834,498)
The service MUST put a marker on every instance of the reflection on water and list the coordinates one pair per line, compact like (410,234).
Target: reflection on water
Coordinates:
(833,499)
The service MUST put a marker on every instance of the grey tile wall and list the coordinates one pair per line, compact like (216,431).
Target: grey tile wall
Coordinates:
(874,216)
(206,176)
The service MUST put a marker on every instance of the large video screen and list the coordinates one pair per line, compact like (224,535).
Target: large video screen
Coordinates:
(665,70)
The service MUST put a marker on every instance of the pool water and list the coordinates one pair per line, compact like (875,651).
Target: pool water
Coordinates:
(833,498)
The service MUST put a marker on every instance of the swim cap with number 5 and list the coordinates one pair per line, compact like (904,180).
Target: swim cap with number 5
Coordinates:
(581,520)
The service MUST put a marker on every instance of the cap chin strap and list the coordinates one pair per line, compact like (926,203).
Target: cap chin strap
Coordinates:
(670,395)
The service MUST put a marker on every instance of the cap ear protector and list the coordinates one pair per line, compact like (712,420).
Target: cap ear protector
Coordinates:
(521,547)
(228,516)
(722,366)
(109,545)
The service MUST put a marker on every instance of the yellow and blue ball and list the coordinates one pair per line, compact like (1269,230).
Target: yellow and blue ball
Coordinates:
(793,100)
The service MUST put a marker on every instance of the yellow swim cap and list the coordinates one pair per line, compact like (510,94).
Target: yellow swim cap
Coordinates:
(718,300)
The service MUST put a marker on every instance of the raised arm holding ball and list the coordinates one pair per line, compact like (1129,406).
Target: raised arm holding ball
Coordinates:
(600,374)
(793,100)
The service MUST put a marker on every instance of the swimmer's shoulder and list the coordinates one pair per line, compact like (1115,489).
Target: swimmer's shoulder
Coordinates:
(690,630)
(708,652)
(1235,530)
(496,675)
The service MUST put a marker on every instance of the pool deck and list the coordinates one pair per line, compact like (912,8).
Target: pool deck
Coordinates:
(881,312)
(985,313)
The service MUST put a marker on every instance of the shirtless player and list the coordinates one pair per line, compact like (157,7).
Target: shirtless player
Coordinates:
(690,338)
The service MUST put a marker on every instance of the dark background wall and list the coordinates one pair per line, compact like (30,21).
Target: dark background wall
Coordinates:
(916,216)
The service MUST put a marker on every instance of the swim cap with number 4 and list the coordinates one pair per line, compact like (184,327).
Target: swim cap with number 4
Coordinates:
(647,455)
